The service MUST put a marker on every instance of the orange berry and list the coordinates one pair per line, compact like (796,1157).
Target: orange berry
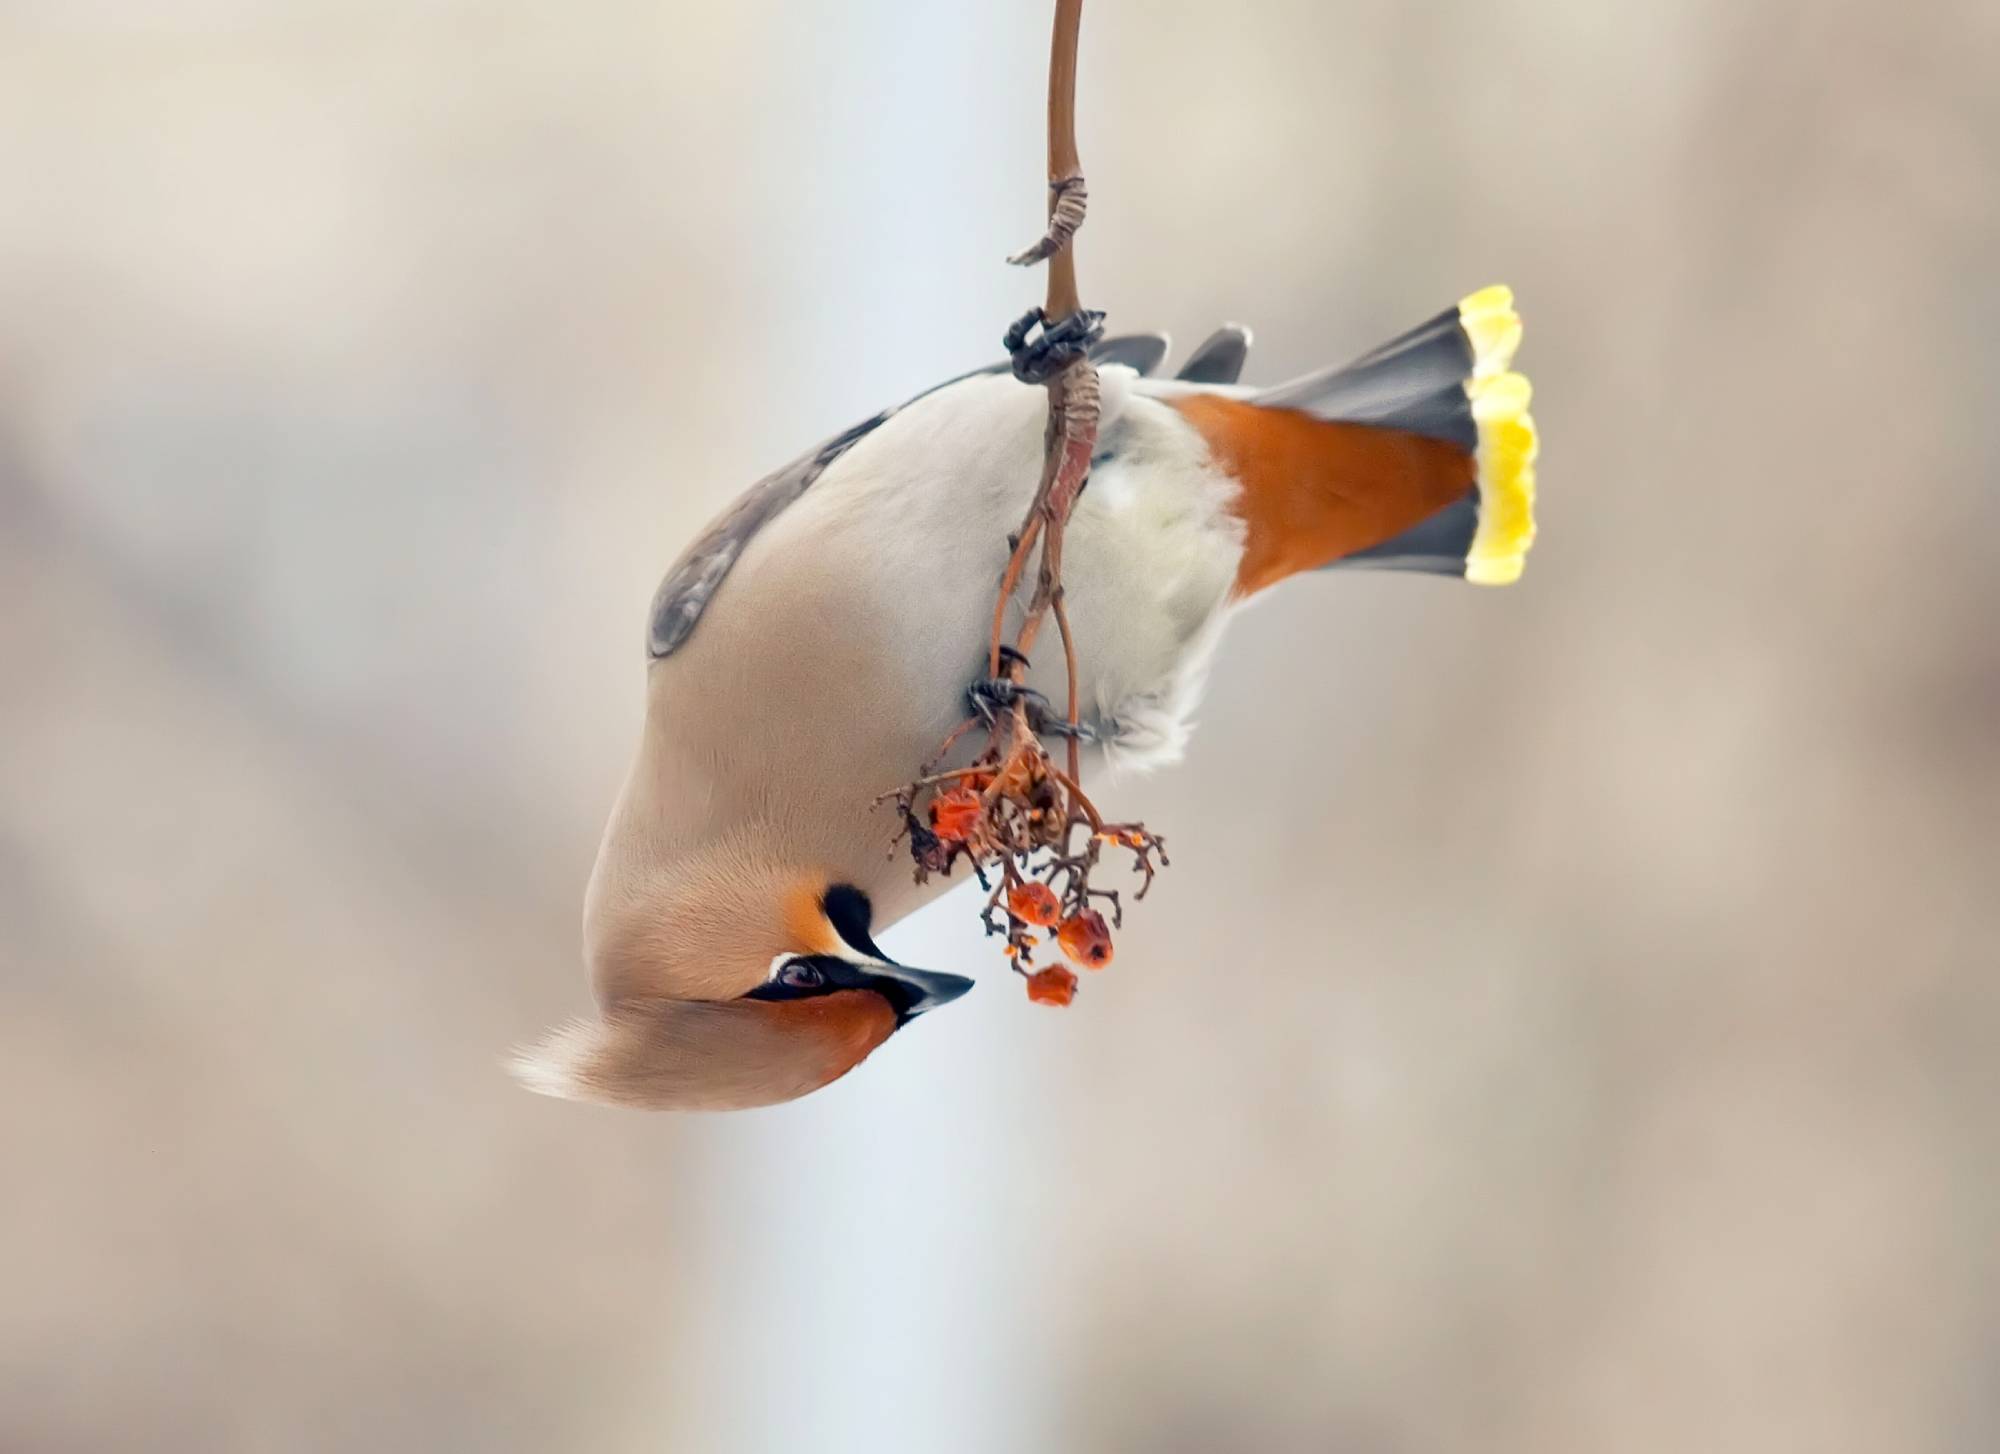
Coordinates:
(1086,938)
(1052,986)
(1034,903)
(955,814)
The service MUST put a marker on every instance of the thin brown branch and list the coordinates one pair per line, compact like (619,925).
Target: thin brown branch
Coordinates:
(1069,715)
(1010,581)
(1013,806)
(1063,297)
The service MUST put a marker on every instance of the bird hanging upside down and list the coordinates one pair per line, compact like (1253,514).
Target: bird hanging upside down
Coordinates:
(817,642)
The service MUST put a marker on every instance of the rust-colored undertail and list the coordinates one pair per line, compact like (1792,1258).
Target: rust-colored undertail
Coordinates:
(1317,490)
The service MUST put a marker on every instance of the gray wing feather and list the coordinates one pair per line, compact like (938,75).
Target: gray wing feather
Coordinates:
(1220,358)
(685,593)
(1415,383)
(696,576)
(1141,352)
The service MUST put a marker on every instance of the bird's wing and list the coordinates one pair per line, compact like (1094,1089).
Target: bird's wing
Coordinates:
(1140,352)
(1220,358)
(693,580)
(695,577)
(686,591)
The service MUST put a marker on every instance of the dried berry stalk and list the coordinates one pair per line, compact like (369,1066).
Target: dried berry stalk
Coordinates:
(1025,825)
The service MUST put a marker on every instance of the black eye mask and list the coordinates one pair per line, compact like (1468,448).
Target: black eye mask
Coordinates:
(807,976)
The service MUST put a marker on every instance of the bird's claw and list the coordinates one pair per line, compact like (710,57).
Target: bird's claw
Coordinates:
(991,696)
(1037,359)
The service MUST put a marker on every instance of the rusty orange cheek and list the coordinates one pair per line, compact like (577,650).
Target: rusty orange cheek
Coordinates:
(850,1022)
(806,928)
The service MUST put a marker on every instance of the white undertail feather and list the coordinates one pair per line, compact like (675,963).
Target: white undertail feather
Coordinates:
(1150,559)
(1150,730)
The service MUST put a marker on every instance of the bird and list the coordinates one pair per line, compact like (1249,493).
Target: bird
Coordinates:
(815,644)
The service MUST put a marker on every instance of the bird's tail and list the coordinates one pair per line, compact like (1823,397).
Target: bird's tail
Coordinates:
(1417,456)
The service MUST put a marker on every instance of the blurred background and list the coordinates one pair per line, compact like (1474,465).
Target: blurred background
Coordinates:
(1571,1019)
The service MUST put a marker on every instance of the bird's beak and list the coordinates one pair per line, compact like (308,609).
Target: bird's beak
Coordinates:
(912,991)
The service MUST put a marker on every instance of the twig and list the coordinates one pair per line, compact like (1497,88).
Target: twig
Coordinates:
(1013,803)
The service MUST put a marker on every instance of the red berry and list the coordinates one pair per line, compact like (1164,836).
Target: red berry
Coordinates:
(955,814)
(1086,938)
(1034,903)
(1052,986)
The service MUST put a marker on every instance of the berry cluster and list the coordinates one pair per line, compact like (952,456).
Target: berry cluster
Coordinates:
(1033,839)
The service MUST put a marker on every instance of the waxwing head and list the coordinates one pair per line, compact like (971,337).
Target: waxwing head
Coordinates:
(749,1031)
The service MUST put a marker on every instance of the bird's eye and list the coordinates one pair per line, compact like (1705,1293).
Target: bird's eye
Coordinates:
(801,975)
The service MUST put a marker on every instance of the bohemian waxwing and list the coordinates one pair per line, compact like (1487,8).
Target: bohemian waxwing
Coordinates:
(816,644)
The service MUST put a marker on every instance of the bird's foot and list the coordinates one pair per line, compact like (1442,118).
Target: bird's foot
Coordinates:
(990,696)
(1039,358)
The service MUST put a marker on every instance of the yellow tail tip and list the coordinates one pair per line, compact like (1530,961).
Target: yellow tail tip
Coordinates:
(1508,442)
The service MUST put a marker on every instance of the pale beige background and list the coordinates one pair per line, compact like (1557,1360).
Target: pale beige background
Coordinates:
(1571,1020)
